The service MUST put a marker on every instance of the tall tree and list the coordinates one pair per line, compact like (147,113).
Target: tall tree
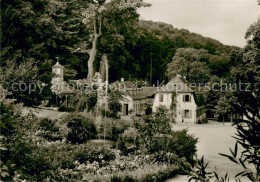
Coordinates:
(191,63)
(98,15)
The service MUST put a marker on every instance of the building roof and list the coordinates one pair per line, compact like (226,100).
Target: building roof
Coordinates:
(141,93)
(130,89)
(123,85)
(57,65)
(130,84)
(175,85)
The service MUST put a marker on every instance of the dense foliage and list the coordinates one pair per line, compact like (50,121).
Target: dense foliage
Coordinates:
(38,149)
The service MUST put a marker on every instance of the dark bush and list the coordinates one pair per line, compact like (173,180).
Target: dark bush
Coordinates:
(166,157)
(121,145)
(47,124)
(91,101)
(81,128)
(113,128)
(183,144)
(34,162)
(203,121)
(66,109)
(7,119)
(49,130)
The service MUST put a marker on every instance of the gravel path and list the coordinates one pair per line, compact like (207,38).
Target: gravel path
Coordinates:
(43,113)
(214,138)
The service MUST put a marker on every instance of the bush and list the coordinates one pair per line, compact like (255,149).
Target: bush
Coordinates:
(203,121)
(149,172)
(81,128)
(166,157)
(32,161)
(94,153)
(152,129)
(183,144)
(7,119)
(66,109)
(121,145)
(49,130)
(47,124)
(114,102)
(113,128)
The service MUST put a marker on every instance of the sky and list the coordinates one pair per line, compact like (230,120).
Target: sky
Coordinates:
(223,20)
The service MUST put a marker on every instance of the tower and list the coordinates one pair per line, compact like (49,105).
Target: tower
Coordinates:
(58,71)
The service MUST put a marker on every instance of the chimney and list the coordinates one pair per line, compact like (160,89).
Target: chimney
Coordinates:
(122,79)
(178,75)
(184,77)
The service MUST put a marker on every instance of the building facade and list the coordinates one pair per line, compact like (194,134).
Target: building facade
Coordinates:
(184,106)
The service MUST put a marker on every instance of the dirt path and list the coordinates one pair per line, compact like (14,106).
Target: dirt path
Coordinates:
(214,138)
(43,113)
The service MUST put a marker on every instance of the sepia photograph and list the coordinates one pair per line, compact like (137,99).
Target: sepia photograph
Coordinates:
(130,91)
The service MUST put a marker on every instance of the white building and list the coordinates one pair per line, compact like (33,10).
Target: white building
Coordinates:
(185,105)
(136,100)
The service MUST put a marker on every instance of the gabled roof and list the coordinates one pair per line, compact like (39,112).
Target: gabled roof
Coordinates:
(175,85)
(142,93)
(130,84)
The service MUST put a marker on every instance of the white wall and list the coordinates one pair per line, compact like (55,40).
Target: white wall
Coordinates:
(127,100)
(180,105)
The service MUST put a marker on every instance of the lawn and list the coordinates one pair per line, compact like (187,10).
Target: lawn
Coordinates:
(214,138)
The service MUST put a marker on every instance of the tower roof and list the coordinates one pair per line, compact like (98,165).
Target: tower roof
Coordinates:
(57,65)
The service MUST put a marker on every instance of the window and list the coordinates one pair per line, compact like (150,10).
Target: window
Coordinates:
(186,98)
(161,98)
(187,114)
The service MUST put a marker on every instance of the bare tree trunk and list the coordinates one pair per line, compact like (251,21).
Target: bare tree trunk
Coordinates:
(93,50)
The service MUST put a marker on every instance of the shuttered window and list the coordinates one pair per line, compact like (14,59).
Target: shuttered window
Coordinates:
(186,113)
(186,98)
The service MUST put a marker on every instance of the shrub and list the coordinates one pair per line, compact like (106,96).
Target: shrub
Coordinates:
(153,128)
(47,124)
(49,130)
(32,161)
(203,121)
(156,135)
(130,135)
(114,102)
(66,109)
(148,172)
(113,128)
(120,145)
(92,153)
(166,157)
(82,128)
(91,101)
(183,144)
(7,119)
